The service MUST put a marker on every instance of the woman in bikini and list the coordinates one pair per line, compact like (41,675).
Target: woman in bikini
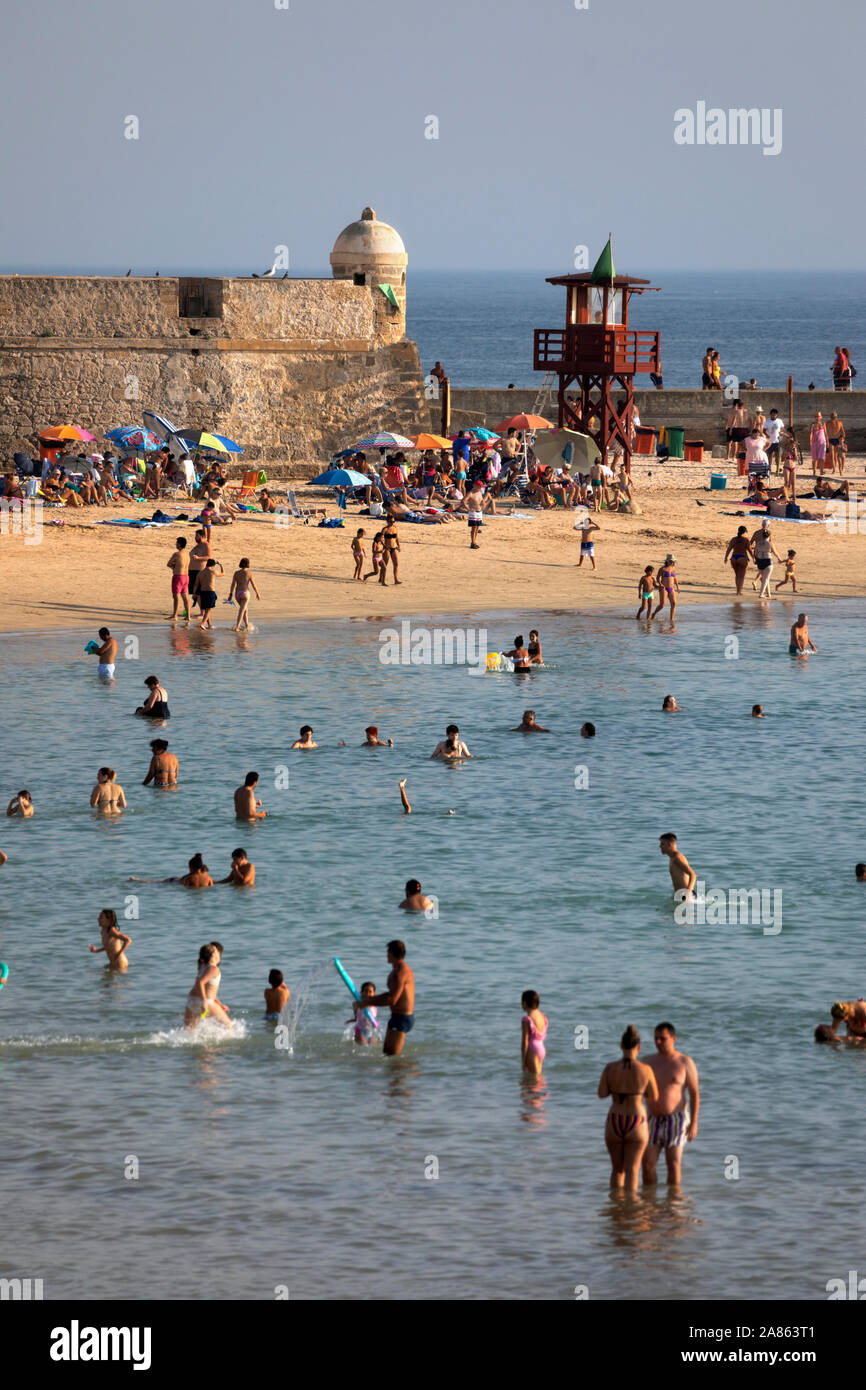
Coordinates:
(533,646)
(156,704)
(740,551)
(242,582)
(668,587)
(107,796)
(533,1031)
(202,1000)
(390,551)
(628,1083)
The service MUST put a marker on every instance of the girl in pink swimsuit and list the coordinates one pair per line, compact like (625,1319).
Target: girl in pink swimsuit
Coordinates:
(534,1027)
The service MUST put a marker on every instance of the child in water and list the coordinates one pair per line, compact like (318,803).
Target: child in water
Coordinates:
(114,942)
(365,1030)
(533,1032)
(277,996)
(645,587)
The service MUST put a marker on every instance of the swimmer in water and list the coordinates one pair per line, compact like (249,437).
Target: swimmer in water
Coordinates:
(519,655)
(670,706)
(373,740)
(202,1000)
(107,796)
(683,876)
(800,641)
(114,942)
(533,1031)
(630,1084)
(242,873)
(528,724)
(853,1013)
(365,1028)
(306,738)
(21,805)
(452,746)
(415,900)
(163,768)
(276,996)
(860,873)
(246,805)
(757,711)
(587,731)
(198,876)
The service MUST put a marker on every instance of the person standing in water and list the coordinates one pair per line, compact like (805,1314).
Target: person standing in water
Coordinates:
(668,586)
(629,1084)
(242,582)
(21,805)
(242,873)
(673,1117)
(156,704)
(800,641)
(452,747)
(106,654)
(107,795)
(533,1031)
(399,998)
(305,740)
(163,768)
(114,942)
(683,876)
(533,647)
(519,655)
(528,724)
(246,805)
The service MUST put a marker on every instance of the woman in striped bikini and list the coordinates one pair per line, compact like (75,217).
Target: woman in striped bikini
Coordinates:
(628,1083)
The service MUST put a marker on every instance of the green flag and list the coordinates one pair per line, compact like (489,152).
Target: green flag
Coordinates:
(603,271)
(391,297)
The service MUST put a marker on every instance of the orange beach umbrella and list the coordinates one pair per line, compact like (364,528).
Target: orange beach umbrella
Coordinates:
(66,432)
(430,441)
(525,422)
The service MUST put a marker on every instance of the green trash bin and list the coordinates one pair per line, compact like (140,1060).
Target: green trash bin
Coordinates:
(675,438)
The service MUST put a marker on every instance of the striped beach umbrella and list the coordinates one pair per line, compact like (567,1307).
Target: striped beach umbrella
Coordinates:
(384,440)
(203,439)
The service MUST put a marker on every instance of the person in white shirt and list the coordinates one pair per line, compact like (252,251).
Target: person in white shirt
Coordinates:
(773,430)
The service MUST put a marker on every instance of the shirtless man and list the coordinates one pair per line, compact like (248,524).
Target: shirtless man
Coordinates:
(673,1117)
(242,872)
(246,806)
(106,655)
(306,738)
(400,999)
(452,746)
(528,724)
(415,900)
(114,942)
(21,805)
(800,640)
(683,876)
(163,765)
(373,740)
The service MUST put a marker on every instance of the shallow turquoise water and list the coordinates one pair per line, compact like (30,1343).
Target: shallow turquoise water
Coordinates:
(260,1169)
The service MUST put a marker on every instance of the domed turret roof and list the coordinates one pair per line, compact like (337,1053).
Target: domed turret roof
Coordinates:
(368,239)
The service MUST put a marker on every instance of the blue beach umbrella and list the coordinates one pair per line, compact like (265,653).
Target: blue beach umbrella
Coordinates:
(133,438)
(340,477)
(206,439)
(166,431)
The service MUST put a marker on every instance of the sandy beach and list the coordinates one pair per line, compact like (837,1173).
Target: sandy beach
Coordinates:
(82,574)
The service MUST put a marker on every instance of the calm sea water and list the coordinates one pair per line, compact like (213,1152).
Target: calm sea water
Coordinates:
(259,1169)
(767,326)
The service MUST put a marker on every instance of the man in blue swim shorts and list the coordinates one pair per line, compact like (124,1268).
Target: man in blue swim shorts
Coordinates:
(400,999)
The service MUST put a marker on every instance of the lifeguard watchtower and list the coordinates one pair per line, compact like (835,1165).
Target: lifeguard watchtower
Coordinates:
(598,353)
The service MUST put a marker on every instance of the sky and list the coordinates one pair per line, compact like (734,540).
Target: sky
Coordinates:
(260,127)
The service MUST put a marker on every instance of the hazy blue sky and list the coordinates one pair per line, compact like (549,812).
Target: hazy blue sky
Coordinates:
(261,126)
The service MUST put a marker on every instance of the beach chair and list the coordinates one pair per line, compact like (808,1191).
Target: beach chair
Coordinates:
(246,489)
(298,511)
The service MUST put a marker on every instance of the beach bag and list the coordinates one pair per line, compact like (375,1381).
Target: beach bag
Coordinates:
(331,521)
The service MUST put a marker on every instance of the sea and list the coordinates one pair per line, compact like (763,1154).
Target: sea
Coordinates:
(144,1162)
(766,325)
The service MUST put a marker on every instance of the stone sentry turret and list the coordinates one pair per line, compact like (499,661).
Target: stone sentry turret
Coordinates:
(370,252)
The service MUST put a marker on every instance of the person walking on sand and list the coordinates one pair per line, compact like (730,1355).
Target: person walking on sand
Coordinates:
(242,582)
(790,576)
(740,551)
(836,443)
(246,805)
(683,876)
(206,594)
(114,941)
(179,566)
(107,796)
(390,551)
(630,1085)
(673,1115)
(399,998)
(474,504)
(765,553)
(800,641)
(533,1031)
(668,587)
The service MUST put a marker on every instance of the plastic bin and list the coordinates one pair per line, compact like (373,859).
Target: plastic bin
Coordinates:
(675,441)
(645,440)
(718,481)
(693,450)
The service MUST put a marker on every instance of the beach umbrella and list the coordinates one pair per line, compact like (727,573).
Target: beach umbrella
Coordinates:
(525,422)
(478,432)
(431,441)
(133,437)
(340,477)
(384,440)
(67,432)
(166,431)
(203,439)
(566,446)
